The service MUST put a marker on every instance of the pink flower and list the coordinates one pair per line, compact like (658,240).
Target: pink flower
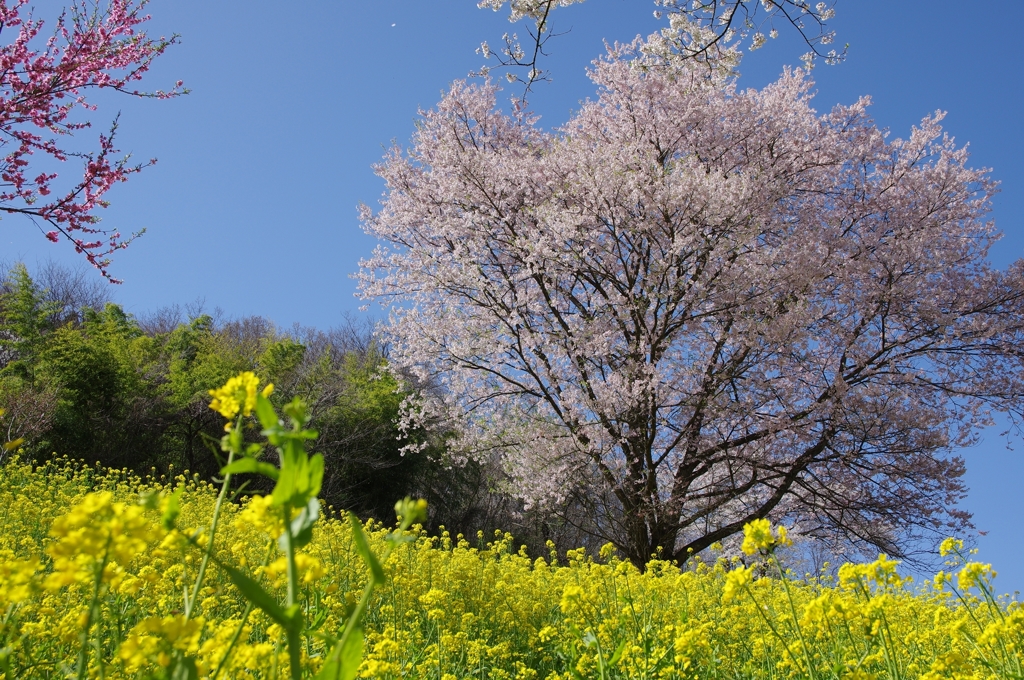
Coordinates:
(41,82)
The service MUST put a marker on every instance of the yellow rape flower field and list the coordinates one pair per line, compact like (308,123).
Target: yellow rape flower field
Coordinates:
(451,608)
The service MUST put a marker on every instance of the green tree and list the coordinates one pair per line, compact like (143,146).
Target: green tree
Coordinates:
(197,360)
(24,323)
(360,441)
(110,398)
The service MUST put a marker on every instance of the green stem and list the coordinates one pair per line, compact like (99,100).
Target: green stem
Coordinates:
(201,575)
(294,629)
(83,654)
(97,642)
(289,552)
(764,617)
(890,650)
(796,619)
(600,658)
(357,614)
(241,624)
(234,640)
(993,605)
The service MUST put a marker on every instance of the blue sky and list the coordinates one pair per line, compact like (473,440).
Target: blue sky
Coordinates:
(252,206)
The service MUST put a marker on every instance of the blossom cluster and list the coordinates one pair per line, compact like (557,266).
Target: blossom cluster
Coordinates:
(238,394)
(43,80)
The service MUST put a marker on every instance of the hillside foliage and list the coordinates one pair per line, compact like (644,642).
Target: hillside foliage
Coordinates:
(79,377)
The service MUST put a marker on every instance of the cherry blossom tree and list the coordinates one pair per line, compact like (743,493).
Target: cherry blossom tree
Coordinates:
(693,306)
(712,32)
(43,83)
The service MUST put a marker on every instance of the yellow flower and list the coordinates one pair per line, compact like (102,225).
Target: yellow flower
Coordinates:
(238,394)
(950,545)
(154,636)
(946,665)
(783,536)
(375,668)
(735,581)
(432,597)
(570,596)
(975,574)
(309,568)
(98,531)
(882,572)
(259,513)
(757,536)
(17,577)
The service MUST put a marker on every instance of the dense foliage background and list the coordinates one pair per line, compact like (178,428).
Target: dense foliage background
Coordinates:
(82,378)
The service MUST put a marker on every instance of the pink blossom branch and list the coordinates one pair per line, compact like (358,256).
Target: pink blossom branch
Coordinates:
(40,86)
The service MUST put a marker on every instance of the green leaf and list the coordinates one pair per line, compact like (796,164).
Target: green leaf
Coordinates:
(344,659)
(363,548)
(183,668)
(316,474)
(618,653)
(172,510)
(287,485)
(265,412)
(275,434)
(149,499)
(234,440)
(302,525)
(301,476)
(296,410)
(255,593)
(326,637)
(317,621)
(250,465)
